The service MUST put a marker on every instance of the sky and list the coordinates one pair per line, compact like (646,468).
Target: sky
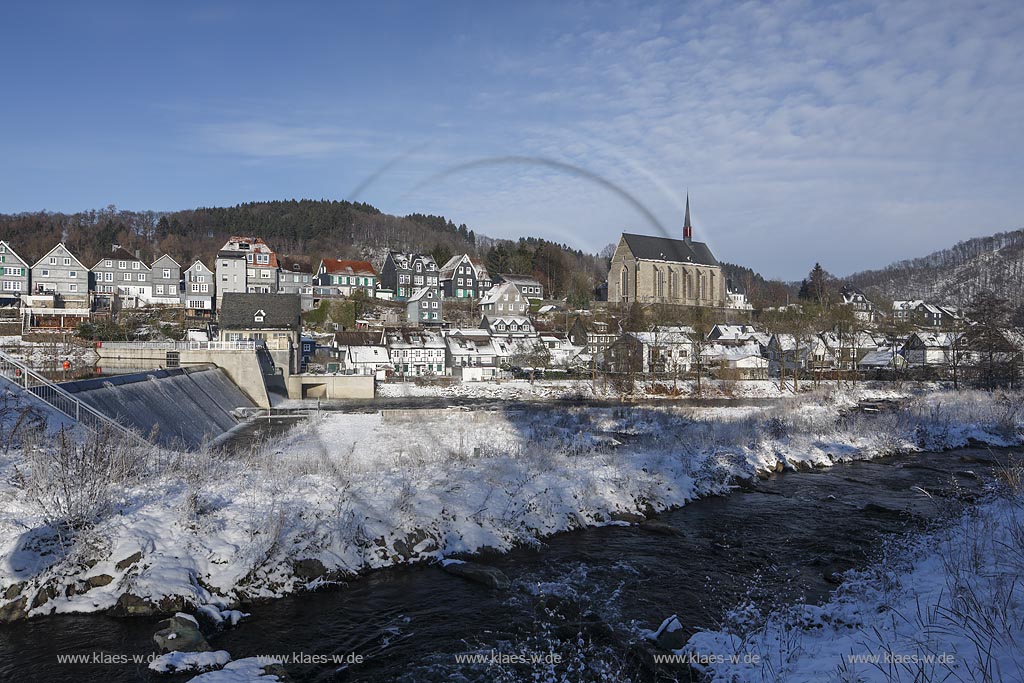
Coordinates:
(851,133)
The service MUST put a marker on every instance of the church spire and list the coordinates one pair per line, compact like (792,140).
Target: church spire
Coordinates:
(687,228)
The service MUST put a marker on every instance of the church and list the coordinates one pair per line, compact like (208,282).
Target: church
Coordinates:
(662,270)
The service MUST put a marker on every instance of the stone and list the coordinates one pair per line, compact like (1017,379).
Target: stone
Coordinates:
(479,573)
(661,528)
(631,517)
(309,569)
(128,561)
(180,634)
(129,605)
(98,580)
(45,594)
(670,636)
(13,611)
(14,590)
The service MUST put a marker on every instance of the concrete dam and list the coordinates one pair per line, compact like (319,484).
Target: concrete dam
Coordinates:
(182,407)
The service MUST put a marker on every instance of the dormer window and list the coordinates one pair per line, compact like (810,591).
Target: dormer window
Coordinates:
(259,316)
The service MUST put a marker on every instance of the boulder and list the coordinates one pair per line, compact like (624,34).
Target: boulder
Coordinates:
(631,517)
(670,635)
(129,605)
(480,573)
(128,561)
(309,569)
(14,590)
(13,611)
(98,580)
(180,633)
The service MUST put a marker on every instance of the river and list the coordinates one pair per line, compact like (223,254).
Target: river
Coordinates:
(779,540)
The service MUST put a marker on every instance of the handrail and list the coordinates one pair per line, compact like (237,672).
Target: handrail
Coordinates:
(53,395)
(244,345)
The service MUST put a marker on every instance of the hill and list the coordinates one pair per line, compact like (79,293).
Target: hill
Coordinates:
(953,276)
(299,228)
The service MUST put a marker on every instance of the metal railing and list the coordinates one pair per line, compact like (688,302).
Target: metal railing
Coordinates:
(246,345)
(54,396)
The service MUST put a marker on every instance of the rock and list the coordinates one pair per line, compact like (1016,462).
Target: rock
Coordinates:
(129,605)
(967,474)
(670,635)
(180,633)
(14,590)
(480,573)
(309,569)
(13,611)
(279,671)
(45,594)
(631,517)
(661,528)
(835,578)
(128,561)
(98,580)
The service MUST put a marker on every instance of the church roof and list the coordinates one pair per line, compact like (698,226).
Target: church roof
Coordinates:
(666,249)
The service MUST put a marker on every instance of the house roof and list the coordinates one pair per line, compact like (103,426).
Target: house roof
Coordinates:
(519,279)
(168,257)
(424,293)
(346,267)
(666,249)
(10,250)
(494,293)
(198,262)
(239,311)
(357,338)
(59,246)
(404,260)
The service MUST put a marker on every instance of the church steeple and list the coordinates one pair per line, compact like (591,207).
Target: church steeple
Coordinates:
(687,228)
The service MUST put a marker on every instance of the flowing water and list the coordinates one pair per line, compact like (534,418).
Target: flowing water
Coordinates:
(583,596)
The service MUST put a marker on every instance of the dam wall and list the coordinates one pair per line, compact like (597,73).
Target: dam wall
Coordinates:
(185,406)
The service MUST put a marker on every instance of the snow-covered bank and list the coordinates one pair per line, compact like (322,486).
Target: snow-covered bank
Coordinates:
(945,606)
(542,389)
(169,531)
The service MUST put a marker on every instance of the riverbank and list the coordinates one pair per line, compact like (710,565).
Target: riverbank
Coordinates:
(162,531)
(944,605)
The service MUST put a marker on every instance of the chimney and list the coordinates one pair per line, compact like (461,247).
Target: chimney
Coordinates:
(687,228)
(137,252)
(114,247)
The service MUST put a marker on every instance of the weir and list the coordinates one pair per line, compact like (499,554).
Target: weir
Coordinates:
(185,406)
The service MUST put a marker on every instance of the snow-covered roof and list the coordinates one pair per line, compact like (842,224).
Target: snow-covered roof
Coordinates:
(495,293)
(424,293)
(368,354)
(881,358)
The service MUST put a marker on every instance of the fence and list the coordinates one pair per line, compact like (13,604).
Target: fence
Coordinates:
(247,345)
(56,397)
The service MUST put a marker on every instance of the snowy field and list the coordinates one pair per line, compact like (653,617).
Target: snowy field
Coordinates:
(90,524)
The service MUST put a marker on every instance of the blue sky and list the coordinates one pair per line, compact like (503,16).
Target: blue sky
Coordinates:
(853,134)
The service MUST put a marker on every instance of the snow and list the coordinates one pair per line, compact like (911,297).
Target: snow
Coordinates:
(946,605)
(178,662)
(355,492)
(247,670)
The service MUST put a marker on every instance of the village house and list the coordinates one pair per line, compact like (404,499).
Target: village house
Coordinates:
(743,361)
(464,277)
(14,275)
(271,320)
(508,326)
(594,336)
(663,350)
(650,269)
(246,264)
(123,275)
(425,307)
(473,355)
(416,352)
(166,275)
(404,273)
(342,277)
(922,314)
(528,286)
(504,299)
(737,301)
(737,335)
(198,293)
(848,349)
(296,276)
(806,355)
(863,310)
(564,354)
(929,349)
(362,353)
